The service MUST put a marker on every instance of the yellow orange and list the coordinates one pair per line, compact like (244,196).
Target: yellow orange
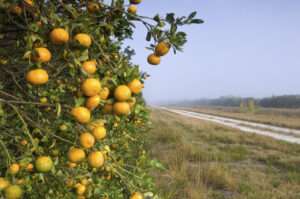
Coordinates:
(104,93)
(81,114)
(87,140)
(37,77)
(43,164)
(14,168)
(96,159)
(153,59)
(93,102)
(91,87)
(121,108)
(76,155)
(80,189)
(132,9)
(162,48)
(83,39)
(122,93)
(3,183)
(90,67)
(42,55)
(99,132)
(93,7)
(136,86)
(13,192)
(29,167)
(59,36)
(137,195)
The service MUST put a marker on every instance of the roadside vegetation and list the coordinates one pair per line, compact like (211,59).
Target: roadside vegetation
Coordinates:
(207,161)
(279,117)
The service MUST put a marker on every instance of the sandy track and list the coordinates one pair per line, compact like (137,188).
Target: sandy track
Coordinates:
(280,133)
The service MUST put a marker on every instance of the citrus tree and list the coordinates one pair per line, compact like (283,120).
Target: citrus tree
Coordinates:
(72,116)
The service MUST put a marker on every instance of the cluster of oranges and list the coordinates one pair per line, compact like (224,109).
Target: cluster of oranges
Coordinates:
(94,93)
(161,49)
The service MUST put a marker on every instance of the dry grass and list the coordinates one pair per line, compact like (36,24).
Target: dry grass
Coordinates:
(279,117)
(206,161)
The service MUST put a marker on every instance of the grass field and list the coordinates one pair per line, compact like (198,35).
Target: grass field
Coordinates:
(280,117)
(207,161)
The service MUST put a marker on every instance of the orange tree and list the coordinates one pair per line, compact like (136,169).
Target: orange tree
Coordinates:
(72,116)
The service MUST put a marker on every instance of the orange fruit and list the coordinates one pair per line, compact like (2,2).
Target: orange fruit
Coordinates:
(99,132)
(87,140)
(90,67)
(153,59)
(93,102)
(108,108)
(83,39)
(28,2)
(135,1)
(15,9)
(121,108)
(162,48)
(59,36)
(14,168)
(24,142)
(76,155)
(13,192)
(29,167)
(37,77)
(137,195)
(42,55)
(96,159)
(132,9)
(3,183)
(93,7)
(80,189)
(43,164)
(122,93)
(72,165)
(81,114)
(104,93)
(91,87)
(136,86)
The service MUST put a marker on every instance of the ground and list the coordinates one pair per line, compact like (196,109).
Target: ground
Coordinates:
(208,161)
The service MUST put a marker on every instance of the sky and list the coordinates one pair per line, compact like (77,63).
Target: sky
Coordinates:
(244,48)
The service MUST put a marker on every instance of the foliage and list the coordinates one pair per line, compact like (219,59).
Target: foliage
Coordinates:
(36,120)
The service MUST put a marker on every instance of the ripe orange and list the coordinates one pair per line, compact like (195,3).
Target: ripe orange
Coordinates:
(59,36)
(80,189)
(83,39)
(81,114)
(99,132)
(93,7)
(13,192)
(87,140)
(122,93)
(121,108)
(41,55)
(132,9)
(90,67)
(28,2)
(91,87)
(96,159)
(135,1)
(24,142)
(43,164)
(15,9)
(108,108)
(137,195)
(29,167)
(3,183)
(104,93)
(162,48)
(93,102)
(153,59)
(76,155)
(136,86)
(14,168)
(37,77)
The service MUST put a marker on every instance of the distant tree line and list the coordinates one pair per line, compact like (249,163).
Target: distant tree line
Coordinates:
(283,101)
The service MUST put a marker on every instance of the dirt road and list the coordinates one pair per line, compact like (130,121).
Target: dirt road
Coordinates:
(280,133)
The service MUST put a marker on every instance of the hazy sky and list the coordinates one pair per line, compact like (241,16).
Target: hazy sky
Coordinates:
(245,48)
